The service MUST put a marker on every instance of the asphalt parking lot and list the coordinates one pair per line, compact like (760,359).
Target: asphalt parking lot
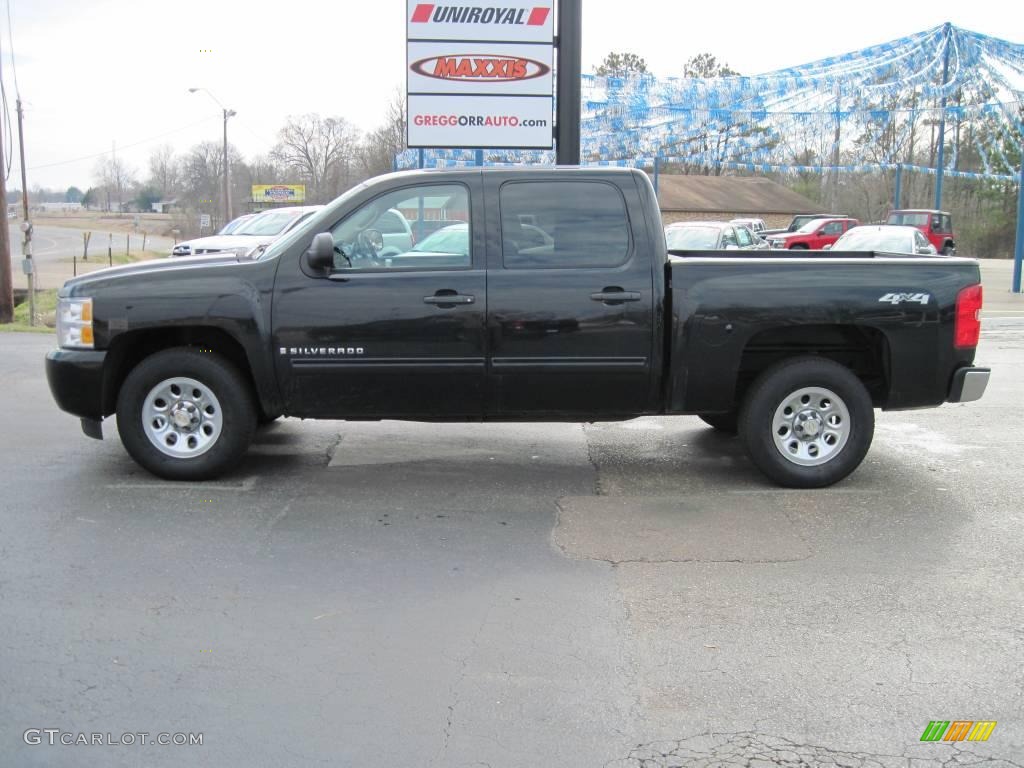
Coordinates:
(514,595)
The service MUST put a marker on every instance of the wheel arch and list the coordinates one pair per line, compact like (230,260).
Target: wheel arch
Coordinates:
(130,348)
(863,349)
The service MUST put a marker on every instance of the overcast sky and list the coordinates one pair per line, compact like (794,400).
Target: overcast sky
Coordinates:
(91,73)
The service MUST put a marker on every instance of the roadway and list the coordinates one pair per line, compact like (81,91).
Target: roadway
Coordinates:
(629,595)
(54,248)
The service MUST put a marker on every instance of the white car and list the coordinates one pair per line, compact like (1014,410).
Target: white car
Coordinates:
(234,224)
(396,231)
(757,226)
(261,229)
(887,238)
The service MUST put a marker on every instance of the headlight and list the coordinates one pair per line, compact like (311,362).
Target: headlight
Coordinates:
(74,323)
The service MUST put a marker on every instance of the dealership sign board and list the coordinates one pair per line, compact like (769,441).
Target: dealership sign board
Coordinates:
(279,193)
(480,75)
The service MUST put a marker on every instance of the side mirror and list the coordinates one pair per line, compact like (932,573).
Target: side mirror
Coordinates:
(320,255)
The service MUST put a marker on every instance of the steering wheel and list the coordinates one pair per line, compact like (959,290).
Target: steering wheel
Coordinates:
(368,245)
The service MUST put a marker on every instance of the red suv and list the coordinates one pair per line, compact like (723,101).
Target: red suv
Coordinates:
(937,226)
(813,235)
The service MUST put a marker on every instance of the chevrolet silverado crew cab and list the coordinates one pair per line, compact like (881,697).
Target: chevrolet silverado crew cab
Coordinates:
(557,301)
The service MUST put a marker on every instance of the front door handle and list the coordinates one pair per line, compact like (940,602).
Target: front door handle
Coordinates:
(615,295)
(447,298)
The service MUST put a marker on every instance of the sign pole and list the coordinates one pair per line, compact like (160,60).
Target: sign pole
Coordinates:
(1018,250)
(569,73)
(940,164)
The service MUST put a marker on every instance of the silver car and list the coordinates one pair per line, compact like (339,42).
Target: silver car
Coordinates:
(711,236)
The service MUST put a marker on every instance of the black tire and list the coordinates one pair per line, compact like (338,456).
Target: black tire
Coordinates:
(722,422)
(236,414)
(948,250)
(765,442)
(798,247)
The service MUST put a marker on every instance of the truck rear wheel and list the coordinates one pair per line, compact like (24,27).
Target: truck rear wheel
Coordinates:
(807,422)
(185,415)
(723,422)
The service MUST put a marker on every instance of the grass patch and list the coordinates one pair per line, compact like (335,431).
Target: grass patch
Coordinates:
(46,313)
(22,328)
(118,258)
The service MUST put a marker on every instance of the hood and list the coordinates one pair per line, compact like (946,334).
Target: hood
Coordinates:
(148,267)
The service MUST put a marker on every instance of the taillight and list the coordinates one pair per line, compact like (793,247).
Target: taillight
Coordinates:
(968,317)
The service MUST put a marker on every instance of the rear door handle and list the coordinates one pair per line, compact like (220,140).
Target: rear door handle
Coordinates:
(446,299)
(615,296)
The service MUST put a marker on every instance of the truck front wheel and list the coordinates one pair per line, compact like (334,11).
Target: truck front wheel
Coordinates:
(185,415)
(807,422)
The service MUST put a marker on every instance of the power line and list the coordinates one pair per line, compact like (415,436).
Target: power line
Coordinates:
(124,146)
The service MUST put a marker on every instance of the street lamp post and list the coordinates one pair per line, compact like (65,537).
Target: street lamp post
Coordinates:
(227,168)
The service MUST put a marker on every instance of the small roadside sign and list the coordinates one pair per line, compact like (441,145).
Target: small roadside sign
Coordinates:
(204,220)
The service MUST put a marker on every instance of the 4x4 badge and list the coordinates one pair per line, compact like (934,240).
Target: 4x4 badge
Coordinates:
(906,298)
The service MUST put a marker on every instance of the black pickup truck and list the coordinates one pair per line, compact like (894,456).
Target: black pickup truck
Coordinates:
(547,295)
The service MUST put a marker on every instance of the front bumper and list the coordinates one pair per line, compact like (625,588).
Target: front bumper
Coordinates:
(75,377)
(968,385)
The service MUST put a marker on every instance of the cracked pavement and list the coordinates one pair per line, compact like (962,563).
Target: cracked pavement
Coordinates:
(625,595)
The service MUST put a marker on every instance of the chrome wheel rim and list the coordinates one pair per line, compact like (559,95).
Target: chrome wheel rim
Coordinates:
(811,426)
(182,417)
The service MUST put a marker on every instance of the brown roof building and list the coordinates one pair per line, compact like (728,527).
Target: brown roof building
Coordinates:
(720,198)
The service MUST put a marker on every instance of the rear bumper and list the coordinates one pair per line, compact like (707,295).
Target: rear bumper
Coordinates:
(968,384)
(76,381)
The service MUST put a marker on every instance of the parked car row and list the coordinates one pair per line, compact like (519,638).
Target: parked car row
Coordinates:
(245,234)
(919,232)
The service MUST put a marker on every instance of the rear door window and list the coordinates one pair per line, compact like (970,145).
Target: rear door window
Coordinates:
(575,224)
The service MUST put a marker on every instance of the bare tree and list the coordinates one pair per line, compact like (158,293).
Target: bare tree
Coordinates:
(116,177)
(164,170)
(320,150)
(382,144)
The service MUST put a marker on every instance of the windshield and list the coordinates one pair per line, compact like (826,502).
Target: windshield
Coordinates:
(233,225)
(810,226)
(268,224)
(692,238)
(453,239)
(909,219)
(867,240)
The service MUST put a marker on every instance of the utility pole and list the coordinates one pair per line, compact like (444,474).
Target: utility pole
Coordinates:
(569,73)
(6,286)
(227,169)
(26,225)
